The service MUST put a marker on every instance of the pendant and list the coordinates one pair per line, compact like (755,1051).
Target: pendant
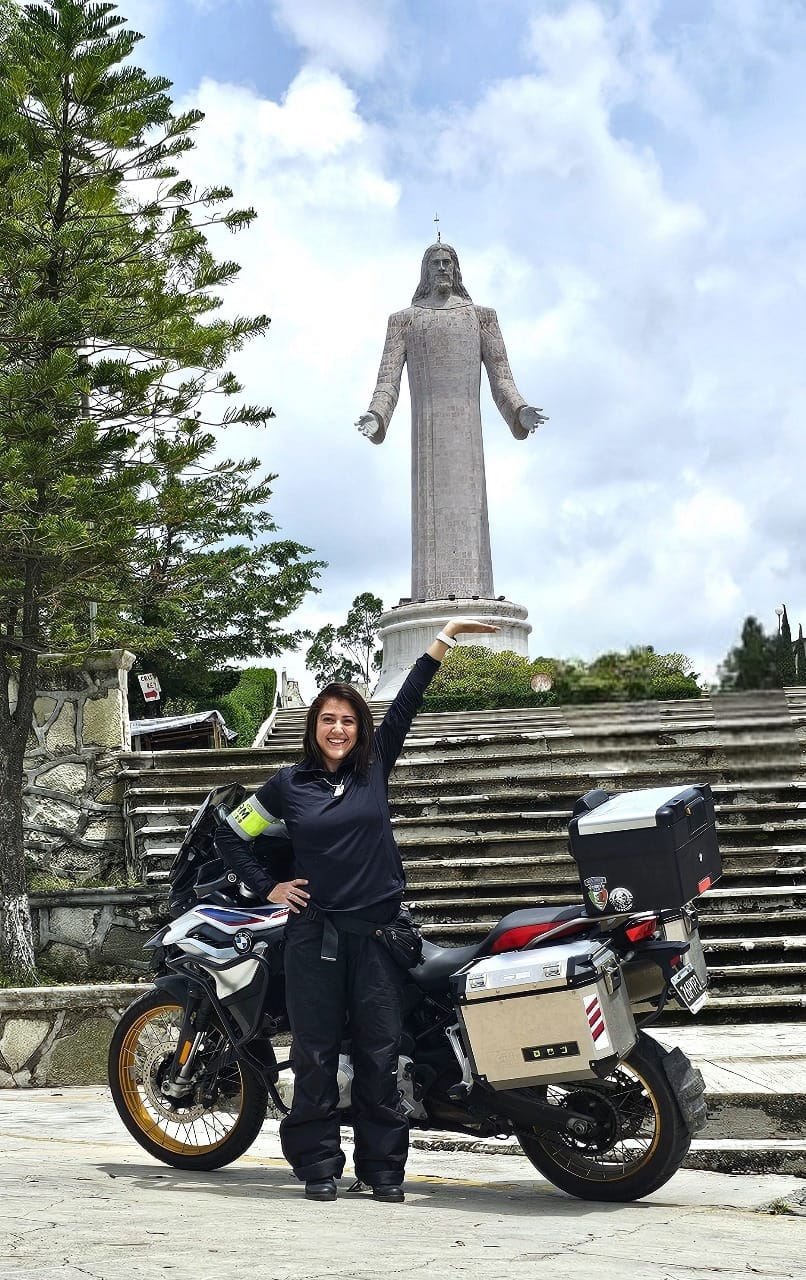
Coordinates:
(339,791)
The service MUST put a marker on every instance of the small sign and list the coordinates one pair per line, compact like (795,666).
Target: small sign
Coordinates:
(543,1052)
(150,687)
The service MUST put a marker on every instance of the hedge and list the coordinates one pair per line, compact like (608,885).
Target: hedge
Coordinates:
(246,706)
(472,678)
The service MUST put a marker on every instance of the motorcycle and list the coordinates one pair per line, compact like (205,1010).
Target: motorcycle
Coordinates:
(536,1030)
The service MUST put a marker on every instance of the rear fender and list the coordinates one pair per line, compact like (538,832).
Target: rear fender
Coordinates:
(689,1089)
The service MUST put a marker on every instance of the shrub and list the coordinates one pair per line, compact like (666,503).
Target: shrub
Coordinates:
(473,678)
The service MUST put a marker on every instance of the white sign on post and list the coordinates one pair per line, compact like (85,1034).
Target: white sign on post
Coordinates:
(150,687)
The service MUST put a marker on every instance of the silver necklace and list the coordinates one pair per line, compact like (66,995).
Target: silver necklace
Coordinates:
(337,787)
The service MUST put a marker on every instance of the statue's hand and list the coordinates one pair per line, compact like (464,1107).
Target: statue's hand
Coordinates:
(530,418)
(368,425)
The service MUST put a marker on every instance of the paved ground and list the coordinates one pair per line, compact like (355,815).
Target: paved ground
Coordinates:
(80,1201)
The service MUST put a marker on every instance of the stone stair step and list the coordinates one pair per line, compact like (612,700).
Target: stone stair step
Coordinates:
(769,943)
(729,798)
(745,1155)
(198,782)
(627,745)
(745,922)
(766,970)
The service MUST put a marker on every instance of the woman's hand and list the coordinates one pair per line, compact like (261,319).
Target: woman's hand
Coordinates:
(457,627)
(289,894)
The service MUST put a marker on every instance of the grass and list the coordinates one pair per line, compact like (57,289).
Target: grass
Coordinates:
(780,1208)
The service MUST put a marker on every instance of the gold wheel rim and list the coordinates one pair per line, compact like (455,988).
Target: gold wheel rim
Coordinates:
(577,1157)
(205,1132)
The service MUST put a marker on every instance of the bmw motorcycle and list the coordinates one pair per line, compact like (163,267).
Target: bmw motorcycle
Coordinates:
(536,1030)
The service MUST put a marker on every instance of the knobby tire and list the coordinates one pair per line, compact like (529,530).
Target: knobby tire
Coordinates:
(648,1137)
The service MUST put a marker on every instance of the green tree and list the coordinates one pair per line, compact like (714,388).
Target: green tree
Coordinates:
(8,19)
(752,663)
(348,652)
(108,347)
(784,652)
(800,657)
(211,585)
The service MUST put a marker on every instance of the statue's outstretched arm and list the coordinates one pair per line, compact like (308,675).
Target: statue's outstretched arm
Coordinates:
(520,417)
(387,388)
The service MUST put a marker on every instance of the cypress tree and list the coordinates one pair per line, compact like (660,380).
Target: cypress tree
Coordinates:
(785,657)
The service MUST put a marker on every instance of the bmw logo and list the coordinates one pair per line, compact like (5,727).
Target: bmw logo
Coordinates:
(242,942)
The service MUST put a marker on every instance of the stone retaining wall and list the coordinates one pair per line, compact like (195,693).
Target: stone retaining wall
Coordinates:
(73,800)
(89,931)
(58,1035)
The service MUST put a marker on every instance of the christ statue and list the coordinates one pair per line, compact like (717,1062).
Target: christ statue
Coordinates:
(444,340)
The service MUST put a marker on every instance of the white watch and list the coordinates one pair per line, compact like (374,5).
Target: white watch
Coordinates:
(448,640)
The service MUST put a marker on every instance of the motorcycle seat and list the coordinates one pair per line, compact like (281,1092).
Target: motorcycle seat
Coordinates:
(438,963)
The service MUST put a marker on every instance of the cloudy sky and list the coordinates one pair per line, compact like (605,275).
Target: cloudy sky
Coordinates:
(625,182)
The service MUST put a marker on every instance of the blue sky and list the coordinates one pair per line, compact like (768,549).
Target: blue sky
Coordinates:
(625,181)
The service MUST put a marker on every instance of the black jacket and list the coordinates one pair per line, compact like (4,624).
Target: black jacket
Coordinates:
(343,847)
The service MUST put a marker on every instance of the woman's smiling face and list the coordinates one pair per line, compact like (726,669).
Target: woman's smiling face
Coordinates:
(336,731)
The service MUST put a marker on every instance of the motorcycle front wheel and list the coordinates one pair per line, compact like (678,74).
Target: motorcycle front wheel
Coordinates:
(641,1138)
(214,1121)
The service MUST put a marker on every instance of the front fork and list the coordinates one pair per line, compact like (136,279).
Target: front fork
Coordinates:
(179,1078)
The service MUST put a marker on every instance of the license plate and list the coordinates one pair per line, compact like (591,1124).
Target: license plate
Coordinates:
(688,989)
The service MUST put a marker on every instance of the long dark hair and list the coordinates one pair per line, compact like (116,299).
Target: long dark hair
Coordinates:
(360,757)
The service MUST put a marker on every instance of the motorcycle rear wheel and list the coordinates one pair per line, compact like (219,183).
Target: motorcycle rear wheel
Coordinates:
(643,1137)
(222,1112)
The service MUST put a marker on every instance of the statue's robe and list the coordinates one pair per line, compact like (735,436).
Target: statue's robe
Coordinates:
(444,349)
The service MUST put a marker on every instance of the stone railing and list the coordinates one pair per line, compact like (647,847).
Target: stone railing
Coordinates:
(73,800)
(96,931)
(58,1035)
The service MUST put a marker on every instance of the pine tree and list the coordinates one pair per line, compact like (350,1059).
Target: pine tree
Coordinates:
(111,359)
(211,585)
(800,657)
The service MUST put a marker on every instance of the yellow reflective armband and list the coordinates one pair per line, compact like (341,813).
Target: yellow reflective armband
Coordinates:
(250,819)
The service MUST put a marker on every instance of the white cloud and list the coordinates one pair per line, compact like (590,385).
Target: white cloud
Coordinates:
(351,35)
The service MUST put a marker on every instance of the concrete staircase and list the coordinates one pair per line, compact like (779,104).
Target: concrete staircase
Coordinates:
(481,804)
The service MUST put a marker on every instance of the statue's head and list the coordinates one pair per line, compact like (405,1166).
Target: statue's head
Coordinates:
(440,266)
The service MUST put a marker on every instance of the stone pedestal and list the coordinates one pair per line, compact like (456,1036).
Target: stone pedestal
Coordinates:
(407,630)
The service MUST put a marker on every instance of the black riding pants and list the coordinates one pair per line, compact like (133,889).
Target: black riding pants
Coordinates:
(364,984)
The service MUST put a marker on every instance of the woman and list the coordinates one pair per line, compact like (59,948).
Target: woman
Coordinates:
(348,868)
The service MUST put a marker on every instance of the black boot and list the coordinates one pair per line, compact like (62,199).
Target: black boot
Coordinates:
(389,1195)
(321,1189)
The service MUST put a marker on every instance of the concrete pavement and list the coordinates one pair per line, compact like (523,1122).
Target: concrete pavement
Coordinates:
(81,1201)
